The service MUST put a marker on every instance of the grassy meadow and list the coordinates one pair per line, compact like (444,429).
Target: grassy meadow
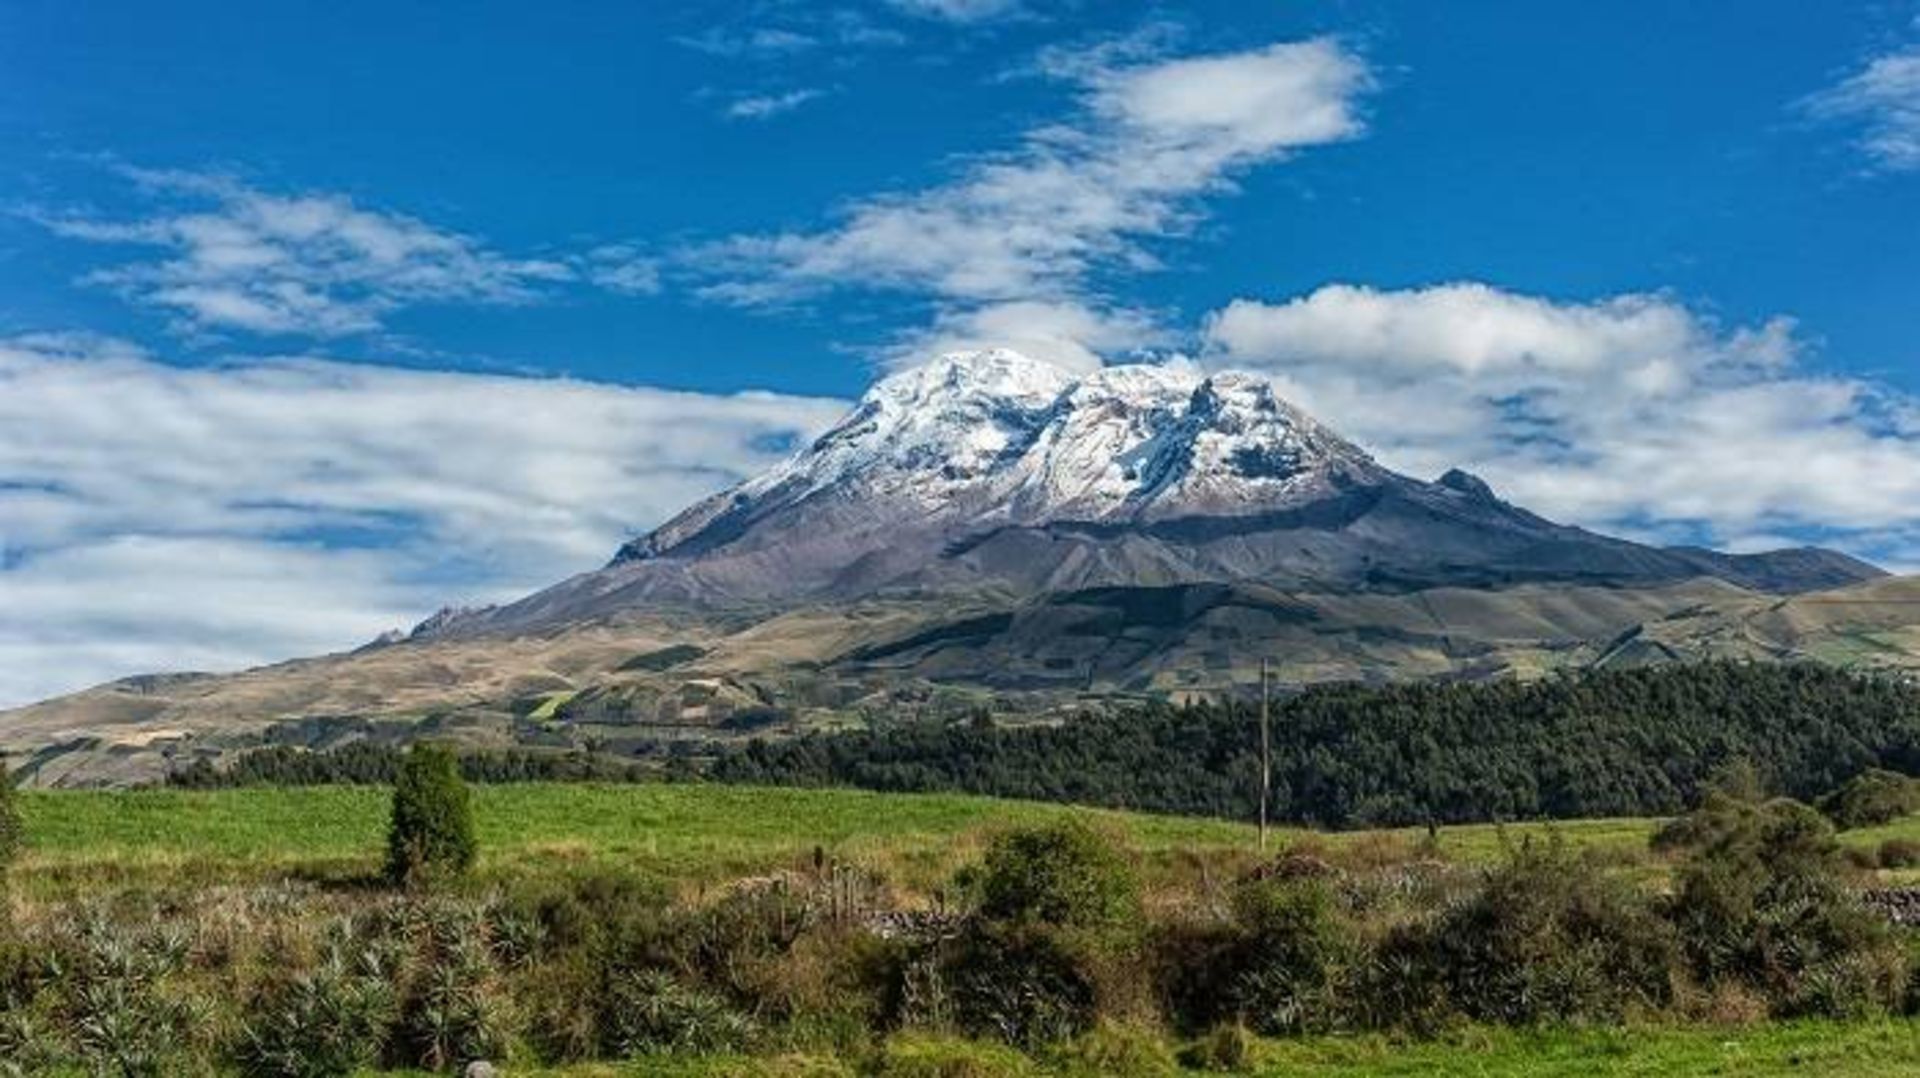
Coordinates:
(221,862)
(1831,1050)
(687,834)
(696,835)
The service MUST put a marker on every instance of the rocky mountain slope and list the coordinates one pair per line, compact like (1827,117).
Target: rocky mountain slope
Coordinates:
(987,532)
(990,472)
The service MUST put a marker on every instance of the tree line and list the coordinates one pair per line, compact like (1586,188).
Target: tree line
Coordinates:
(367,763)
(1630,742)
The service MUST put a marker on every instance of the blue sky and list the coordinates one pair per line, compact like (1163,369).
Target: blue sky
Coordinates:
(343,311)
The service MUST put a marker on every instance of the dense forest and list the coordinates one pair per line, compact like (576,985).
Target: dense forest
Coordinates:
(1604,743)
(372,764)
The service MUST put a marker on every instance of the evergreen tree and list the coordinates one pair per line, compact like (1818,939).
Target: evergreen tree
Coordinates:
(431,836)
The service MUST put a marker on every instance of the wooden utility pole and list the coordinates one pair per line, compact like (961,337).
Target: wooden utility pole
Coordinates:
(1266,756)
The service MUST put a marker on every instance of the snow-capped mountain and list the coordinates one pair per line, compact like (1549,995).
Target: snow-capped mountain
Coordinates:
(988,471)
(992,437)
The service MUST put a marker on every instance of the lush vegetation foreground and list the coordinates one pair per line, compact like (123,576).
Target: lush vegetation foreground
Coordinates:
(707,930)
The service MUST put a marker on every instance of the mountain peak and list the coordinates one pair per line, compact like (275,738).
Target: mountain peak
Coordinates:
(993,437)
(1467,483)
(994,372)
(991,473)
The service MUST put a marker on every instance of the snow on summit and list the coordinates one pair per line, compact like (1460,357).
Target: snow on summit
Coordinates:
(994,435)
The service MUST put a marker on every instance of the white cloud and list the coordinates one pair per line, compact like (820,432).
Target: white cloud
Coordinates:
(621,268)
(160,516)
(765,106)
(1035,224)
(1630,413)
(960,11)
(1883,99)
(239,258)
(752,43)
(1065,333)
(805,31)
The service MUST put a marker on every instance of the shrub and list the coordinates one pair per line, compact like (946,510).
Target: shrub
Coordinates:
(1066,874)
(431,833)
(1722,797)
(1278,964)
(27,1045)
(331,1020)
(1020,983)
(1764,902)
(1898,853)
(455,1009)
(1287,975)
(585,928)
(1058,907)
(125,1028)
(1545,938)
(1871,798)
(737,944)
(649,1011)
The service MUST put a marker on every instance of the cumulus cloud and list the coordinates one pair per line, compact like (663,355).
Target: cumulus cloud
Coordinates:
(1883,100)
(1633,412)
(765,106)
(161,516)
(233,257)
(1034,224)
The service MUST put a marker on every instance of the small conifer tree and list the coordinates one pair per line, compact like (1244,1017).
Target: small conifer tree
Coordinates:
(431,835)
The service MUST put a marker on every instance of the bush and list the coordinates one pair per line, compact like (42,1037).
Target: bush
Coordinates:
(1279,964)
(456,1010)
(649,1011)
(1019,983)
(431,833)
(1057,910)
(332,1020)
(1763,902)
(1067,875)
(1546,938)
(1871,798)
(1898,853)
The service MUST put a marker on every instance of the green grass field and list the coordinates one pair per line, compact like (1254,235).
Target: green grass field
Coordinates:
(1856,1050)
(84,843)
(692,834)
